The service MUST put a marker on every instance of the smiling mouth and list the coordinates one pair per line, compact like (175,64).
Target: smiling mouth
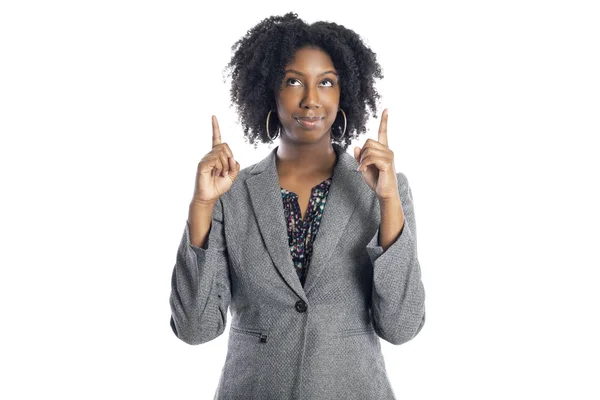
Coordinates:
(308,123)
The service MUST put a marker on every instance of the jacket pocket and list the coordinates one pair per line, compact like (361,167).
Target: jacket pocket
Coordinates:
(260,334)
(357,331)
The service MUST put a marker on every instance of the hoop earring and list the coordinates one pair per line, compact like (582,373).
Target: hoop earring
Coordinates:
(345,124)
(268,133)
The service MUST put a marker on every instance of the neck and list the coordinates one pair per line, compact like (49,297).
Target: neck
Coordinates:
(306,159)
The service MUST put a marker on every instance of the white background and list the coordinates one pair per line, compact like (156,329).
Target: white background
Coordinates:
(493,116)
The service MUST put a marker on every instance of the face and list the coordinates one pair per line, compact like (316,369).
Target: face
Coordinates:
(310,88)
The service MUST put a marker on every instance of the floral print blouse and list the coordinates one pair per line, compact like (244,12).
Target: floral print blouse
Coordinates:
(302,233)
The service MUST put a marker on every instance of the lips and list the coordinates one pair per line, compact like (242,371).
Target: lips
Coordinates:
(308,122)
(310,118)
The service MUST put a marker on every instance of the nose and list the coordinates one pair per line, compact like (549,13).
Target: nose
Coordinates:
(311,98)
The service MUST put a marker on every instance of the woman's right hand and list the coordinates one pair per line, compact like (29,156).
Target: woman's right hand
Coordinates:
(216,171)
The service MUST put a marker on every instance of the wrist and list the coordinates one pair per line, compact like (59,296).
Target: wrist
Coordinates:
(390,200)
(201,204)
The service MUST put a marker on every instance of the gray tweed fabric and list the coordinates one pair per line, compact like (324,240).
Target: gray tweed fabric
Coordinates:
(286,341)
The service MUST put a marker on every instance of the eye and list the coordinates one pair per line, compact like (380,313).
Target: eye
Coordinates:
(328,81)
(291,80)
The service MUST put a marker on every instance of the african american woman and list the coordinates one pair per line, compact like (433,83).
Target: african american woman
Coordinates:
(313,250)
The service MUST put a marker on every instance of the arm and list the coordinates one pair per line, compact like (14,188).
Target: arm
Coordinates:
(392,221)
(398,296)
(200,284)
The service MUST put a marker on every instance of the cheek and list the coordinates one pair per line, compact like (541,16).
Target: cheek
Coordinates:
(284,108)
(333,101)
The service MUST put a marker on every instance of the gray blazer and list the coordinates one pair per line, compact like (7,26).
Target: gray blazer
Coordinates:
(317,342)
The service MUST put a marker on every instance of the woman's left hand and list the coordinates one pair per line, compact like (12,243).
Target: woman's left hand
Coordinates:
(376,163)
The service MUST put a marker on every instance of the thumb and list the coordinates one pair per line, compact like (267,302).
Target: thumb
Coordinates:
(236,168)
(357,154)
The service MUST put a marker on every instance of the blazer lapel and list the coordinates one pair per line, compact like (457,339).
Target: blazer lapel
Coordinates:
(344,194)
(265,194)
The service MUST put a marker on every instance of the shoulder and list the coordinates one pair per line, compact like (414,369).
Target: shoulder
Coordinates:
(404,188)
(238,187)
(402,179)
(247,172)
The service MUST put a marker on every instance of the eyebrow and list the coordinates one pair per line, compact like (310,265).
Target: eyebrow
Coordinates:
(301,74)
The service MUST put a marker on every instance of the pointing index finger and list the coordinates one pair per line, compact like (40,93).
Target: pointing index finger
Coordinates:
(216,136)
(382,137)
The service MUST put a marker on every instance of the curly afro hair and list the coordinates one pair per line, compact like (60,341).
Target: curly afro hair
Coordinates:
(258,64)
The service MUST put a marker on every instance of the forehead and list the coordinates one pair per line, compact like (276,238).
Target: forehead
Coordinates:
(310,59)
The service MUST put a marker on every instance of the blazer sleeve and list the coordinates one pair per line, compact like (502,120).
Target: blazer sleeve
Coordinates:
(398,295)
(200,285)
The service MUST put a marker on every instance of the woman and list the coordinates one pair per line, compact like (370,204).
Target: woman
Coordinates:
(313,251)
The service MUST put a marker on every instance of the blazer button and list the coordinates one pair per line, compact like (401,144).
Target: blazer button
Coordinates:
(300,306)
